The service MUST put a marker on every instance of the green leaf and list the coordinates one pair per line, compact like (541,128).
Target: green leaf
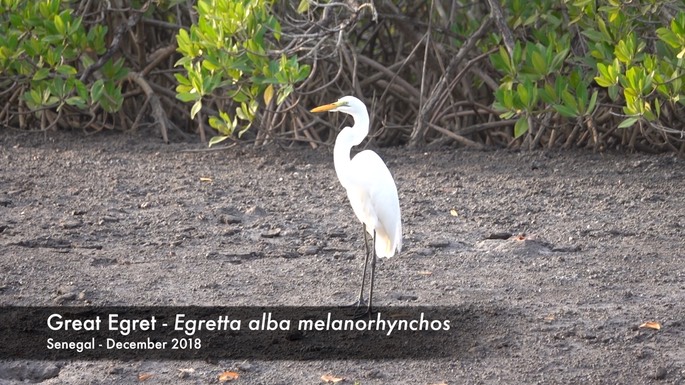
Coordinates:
(269,93)
(613,92)
(581,94)
(188,96)
(628,122)
(594,35)
(217,139)
(605,79)
(41,74)
(593,103)
(521,126)
(565,111)
(538,62)
(196,108)
(241,112)
(303,6)
(77,102)
(96,90)
(66,70)
(523,94)
(569,101)
(283,93)
(59,25)
(669,37)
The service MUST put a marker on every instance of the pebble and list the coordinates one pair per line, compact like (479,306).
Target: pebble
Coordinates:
(255,210)
(407,297)
(108,218)
(375,374)
(115,370)
(499,235)
(439,243)
(308,250)
(425,251)
(229,219)
(660,373)
(71,224)
(60,299)
(272,233)
(27,372)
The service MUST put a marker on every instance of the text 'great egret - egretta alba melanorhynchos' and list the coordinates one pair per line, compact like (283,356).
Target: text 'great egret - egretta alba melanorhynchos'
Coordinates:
(370,188)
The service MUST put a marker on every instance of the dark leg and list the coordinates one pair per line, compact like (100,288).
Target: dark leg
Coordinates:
(373,274)
(360,302)
(359,313)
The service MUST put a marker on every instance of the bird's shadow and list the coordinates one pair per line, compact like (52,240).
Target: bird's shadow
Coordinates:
(408,332)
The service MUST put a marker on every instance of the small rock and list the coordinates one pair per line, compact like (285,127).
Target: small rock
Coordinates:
(103,261)
(48,370)
(407,297)
(438,244)
(336,233)
(287,255)
(5,201)
(65,293)
(144,205)
(78,212)
(375,374)
(230,232)
(660,373)
(212,255)
(39,372)
(587,336)
(65,289)
(108,219)
(308,250)
(185,372)
(272,233)
(425,251)
(115,370)
(255,210)
(499,235)
(642,354)
(245,366)
(229,219)
(71,224)
(60,299)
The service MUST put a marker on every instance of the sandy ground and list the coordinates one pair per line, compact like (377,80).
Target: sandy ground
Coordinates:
(596,251)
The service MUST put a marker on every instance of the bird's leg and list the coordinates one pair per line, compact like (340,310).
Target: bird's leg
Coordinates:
(360,301)
(373,273)
(369,310)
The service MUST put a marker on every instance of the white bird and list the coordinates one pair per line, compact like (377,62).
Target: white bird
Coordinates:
(370,188)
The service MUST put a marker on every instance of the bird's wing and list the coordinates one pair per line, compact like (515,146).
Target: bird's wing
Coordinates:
(373,195)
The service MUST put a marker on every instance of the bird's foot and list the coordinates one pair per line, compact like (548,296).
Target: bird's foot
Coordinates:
(359,308)
(357,304)
(363,312)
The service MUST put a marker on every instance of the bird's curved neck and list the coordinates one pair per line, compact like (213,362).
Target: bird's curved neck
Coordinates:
(347,138)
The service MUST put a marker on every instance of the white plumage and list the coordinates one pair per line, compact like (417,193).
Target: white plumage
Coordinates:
(369,184)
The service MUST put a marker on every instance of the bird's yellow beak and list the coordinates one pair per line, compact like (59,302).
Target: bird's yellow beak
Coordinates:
(325,107)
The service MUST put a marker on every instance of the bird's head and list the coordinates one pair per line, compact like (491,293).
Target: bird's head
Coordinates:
(347,104)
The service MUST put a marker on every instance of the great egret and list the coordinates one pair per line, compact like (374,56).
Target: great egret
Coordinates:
(370,188)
